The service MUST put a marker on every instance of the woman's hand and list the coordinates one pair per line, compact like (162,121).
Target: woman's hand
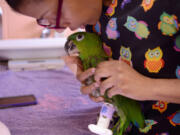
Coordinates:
(122,79)
(74,63)
(87,90)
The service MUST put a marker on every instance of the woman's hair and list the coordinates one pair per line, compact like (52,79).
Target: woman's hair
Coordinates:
(14,4)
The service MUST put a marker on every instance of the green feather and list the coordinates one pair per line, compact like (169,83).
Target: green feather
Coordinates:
(91,54)
(91,49)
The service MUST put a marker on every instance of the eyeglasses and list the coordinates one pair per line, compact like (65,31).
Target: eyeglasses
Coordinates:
(45,22)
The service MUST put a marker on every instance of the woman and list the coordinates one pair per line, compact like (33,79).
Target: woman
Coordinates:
(143,39)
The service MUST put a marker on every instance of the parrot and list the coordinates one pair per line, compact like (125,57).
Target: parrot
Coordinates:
(89,48)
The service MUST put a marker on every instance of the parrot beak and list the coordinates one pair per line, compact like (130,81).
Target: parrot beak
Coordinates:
(71,48)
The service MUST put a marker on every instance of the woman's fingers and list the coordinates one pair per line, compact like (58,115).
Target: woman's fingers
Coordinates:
(86,74)
(112,92)
(89,89)
(74,63)
(106,84)
(100,74)
(98,99)
(71,60)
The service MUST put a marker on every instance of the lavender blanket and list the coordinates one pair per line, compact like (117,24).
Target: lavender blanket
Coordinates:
(61,109)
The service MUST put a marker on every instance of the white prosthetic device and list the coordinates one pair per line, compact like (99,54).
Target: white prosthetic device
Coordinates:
(103,123)
(4,130)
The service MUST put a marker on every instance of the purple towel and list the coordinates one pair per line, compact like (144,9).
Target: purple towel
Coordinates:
(61,109)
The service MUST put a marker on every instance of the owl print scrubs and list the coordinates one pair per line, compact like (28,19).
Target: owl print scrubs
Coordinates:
(145,34)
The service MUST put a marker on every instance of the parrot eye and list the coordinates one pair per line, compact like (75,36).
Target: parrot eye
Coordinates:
(79,37)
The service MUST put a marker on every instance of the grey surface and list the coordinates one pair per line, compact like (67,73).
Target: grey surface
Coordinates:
(61,109)
(36,48)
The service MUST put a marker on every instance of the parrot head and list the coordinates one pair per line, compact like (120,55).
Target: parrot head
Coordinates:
(83,44)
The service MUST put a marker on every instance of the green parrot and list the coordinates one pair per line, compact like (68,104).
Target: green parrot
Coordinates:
(89,48)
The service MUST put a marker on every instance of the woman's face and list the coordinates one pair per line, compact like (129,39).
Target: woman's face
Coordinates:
(74,13)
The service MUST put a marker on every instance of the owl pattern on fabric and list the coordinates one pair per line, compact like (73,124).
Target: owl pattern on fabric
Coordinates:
(174,119)
(140,28)
(147,4)
(177,43)
(111,9)
(178,72)
(97,28)
(168,24)
(111,29)
(126,55)
(146,33)
(107,49)
(125,2)
(161,106)
(154,62)
(149,126)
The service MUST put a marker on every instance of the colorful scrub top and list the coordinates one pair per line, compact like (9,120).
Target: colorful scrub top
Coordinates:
(145,34)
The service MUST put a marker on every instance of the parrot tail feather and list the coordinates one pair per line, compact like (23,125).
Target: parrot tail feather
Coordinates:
(120,127)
